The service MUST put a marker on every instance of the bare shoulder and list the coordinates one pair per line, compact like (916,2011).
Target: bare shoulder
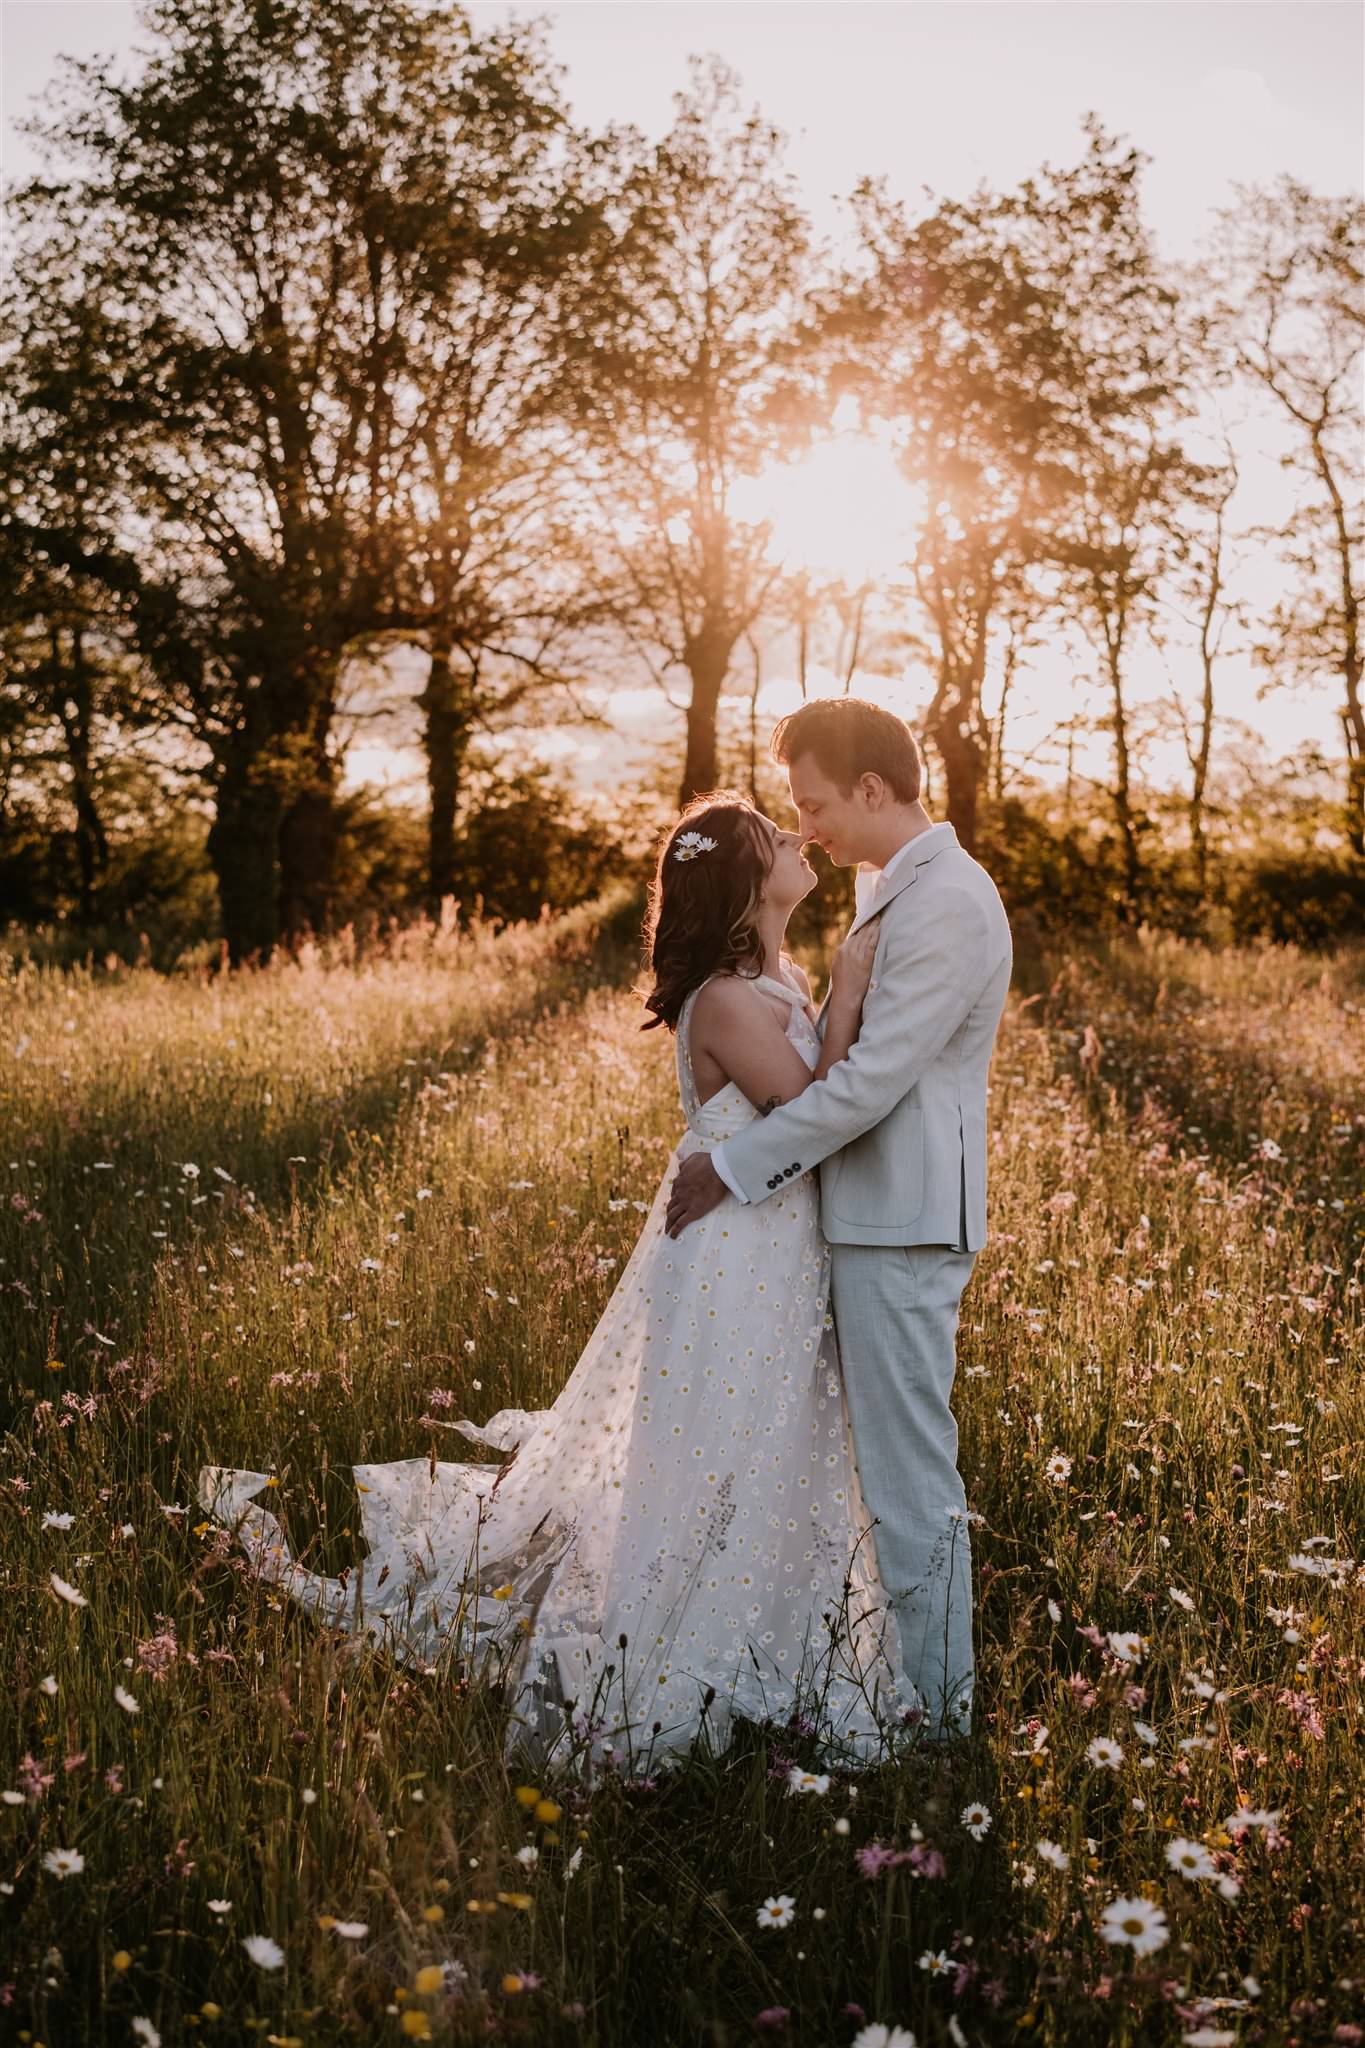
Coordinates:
(729,1001)
(726,996)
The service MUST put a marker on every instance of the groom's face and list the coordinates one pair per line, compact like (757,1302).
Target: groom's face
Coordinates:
(833,818)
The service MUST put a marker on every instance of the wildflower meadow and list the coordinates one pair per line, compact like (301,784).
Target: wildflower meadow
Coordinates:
(297,1218)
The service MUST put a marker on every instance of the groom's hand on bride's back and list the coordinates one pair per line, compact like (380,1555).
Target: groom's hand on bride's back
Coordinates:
(696,1190)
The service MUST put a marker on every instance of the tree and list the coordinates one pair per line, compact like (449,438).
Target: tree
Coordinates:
(956,335)
(1201,579)
(1290,265)
(71,667)
(1082,235)
(269,222)
(685,372)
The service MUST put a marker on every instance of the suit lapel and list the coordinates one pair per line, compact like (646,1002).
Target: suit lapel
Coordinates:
(904,878)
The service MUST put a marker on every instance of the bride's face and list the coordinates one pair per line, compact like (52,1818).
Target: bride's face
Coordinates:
(791,876)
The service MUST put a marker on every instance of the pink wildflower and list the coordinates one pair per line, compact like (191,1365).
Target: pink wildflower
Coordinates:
(33,1779)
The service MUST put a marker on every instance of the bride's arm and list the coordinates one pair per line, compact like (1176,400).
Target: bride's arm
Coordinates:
(737,1028)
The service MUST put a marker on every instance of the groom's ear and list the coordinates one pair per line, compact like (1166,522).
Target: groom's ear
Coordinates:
(873,789)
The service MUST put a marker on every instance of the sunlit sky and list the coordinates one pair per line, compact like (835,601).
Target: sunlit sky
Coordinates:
(928,93)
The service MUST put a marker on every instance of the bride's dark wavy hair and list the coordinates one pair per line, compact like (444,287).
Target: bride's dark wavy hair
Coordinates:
(703,912)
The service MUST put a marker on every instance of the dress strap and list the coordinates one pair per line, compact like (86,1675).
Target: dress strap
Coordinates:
(682,1047)
(779,988)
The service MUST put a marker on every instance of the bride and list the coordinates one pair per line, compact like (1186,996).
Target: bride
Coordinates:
(681,1538)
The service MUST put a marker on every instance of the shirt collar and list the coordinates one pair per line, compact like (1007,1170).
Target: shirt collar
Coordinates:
(922,846)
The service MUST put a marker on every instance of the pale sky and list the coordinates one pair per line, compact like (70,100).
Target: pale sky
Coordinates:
(937,93)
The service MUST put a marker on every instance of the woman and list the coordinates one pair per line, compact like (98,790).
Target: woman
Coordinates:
(681,1537)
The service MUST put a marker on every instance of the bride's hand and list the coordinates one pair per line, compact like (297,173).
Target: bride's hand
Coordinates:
(850,971)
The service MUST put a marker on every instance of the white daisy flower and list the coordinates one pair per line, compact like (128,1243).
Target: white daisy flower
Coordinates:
(220,1906)
(688,845)
(1210,2037)
(72,1597)
(1315,1567)
(778,1912)
(64,1862)
(52,1520)
(1128,1645)
(264,1953)
(1104,1753)
(1053,1853)
(125,1700)
(1191,1859)
(1057,1470)
(976,1819)
(936,1961)
(528,1856)
(1179,1599)
(145,2031)
(1145,1733)
(878,2036)
(807,1781)
(351,1930)
(1136,1924)
(48,1685)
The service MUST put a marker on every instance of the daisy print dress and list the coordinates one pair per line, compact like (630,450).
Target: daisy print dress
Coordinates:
(681,1538)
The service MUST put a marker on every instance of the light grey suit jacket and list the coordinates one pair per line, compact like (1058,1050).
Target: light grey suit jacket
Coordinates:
(900,1125)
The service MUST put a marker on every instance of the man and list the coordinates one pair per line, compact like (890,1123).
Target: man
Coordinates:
(899,1130)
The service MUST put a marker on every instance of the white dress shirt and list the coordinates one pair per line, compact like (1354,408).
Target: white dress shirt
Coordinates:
(866,883)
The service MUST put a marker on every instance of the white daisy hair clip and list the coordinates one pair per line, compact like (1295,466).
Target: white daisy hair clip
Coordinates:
(688,845)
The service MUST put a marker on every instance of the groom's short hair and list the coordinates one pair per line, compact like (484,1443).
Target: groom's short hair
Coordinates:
(847,738)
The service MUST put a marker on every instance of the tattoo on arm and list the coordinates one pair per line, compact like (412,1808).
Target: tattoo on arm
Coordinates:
(766,1108)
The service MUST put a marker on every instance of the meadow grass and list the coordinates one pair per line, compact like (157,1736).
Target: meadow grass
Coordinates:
(295,1219)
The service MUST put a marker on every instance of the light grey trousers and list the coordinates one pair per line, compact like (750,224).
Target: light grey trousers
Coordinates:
(896,1312)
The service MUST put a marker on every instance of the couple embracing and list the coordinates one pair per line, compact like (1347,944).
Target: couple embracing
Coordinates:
(745,1501)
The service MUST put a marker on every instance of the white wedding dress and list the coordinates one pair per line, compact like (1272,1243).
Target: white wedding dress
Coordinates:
(680,1538)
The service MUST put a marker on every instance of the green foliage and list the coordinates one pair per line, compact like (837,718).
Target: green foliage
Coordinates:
(153,897)
(1317,901)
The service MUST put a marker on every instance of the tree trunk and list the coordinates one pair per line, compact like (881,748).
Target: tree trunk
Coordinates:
(446,705)
(1352,664)
(1353,728)
(962,765)
(307,849)
(74,697)
(753,719)
(1200,783)
(1122,792)
(708,668)
(243,846)
(949,727)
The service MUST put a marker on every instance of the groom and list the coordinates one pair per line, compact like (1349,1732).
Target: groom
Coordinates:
(899,1129)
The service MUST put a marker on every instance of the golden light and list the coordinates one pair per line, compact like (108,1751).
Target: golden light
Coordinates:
(841,510)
